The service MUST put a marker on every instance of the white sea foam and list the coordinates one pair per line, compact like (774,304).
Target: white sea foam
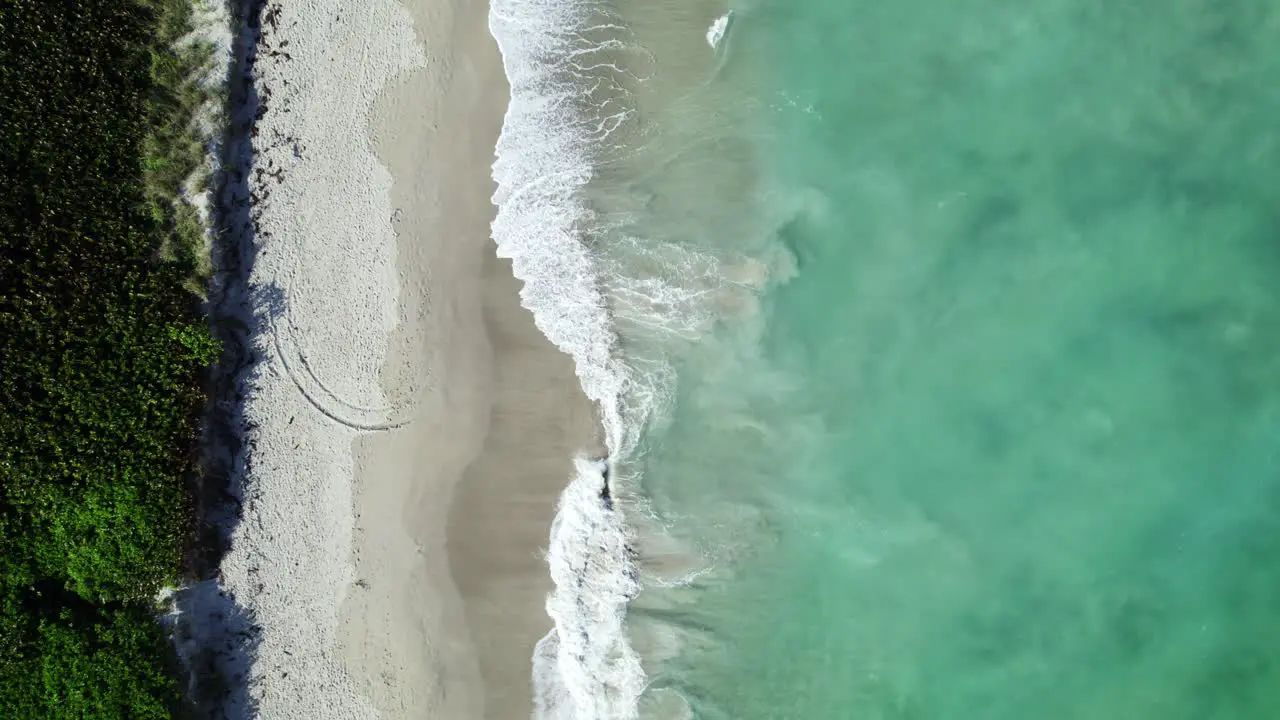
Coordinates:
(544,160)
(585,667)
(716,32)
(554,55)
(595,269)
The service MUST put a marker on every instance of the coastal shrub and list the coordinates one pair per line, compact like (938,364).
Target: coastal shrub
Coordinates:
(102,350)
(94,663)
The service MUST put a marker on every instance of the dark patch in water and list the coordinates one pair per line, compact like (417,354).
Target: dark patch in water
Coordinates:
(791,235)
(606,497)
(992,214)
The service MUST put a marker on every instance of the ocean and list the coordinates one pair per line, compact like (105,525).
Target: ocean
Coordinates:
(932,346)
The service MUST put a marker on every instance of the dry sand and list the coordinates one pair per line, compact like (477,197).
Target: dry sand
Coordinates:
(409,428)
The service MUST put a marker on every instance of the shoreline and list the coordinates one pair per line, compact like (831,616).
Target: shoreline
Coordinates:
(400,430)
(452,508)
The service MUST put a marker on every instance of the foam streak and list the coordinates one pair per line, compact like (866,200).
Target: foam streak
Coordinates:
(554,55)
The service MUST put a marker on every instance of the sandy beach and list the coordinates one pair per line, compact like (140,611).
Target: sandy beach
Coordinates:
(478,471)
(409,428)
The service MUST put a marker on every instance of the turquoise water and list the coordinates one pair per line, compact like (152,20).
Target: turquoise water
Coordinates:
(1001,438)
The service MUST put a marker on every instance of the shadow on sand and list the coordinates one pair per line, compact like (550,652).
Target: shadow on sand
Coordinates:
(214,634)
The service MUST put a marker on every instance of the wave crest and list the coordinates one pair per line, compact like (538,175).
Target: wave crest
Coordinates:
(568,102)
(585,667)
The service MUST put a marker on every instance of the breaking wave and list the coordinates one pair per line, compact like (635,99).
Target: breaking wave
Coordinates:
(620,272)
(568,99)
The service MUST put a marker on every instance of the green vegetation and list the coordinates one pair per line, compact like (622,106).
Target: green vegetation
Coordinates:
(102,351)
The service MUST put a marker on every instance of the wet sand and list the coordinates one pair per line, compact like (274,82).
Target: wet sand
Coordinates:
(453,510)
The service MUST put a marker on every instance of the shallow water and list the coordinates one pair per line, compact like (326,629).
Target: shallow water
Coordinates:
(953,329)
